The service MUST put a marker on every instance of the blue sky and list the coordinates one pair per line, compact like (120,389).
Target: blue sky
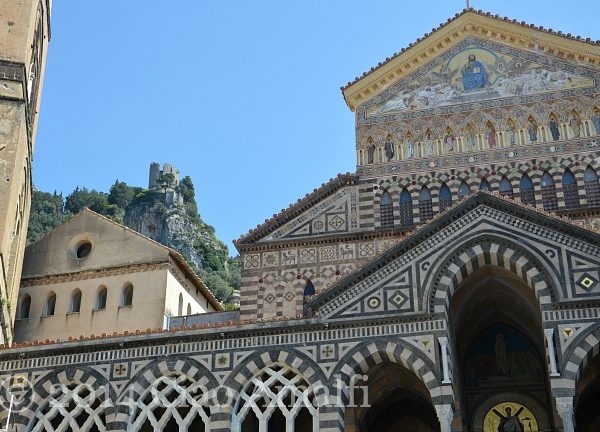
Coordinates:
(243,96)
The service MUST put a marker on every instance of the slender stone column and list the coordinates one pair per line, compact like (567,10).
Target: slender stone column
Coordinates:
(564,406)
(445,415)
(444,346)
(551,352)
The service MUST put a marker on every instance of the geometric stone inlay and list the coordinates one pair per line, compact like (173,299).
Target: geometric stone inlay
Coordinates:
(374,302)
(289,296)
(587,282)
(269,298)
(397,299)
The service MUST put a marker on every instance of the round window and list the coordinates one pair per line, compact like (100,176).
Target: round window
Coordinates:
(83,249)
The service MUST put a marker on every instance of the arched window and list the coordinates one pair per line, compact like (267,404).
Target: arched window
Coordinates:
(101,298)
(484,185)
(75,305)
(386,211)
(592,188)
(189,309)
(406,210)
(127,297)
(464,190)
(309,290)
(445,197)
(505,187)
(570,191)
(526,190)
(180,306)
(549,193)
(425,206)
(50,304)
(25,307)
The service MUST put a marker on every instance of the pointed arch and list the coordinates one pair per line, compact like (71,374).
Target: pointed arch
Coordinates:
(386,211)
(592,187)
(272,374)
(484,185)
(549,199)
(570,190)
(425,204)
(309,289)
(406,209)
(171,393)
(69,398)
(445,197)
(505,187)
(464,189)
(526,190)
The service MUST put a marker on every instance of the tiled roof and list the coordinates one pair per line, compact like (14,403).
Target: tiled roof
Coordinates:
(477,12)
(294,210)
(217,326)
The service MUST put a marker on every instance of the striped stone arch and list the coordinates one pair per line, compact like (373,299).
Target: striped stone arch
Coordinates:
(258,362)
(582,350)
(131,405)
(486,250)
(362,358)
(48,405)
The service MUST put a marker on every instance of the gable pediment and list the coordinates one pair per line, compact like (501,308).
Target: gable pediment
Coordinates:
(459,31)
(505,234)
(113,245)
(483,72)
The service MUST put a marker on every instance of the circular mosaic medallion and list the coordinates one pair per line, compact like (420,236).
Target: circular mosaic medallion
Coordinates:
(509,416)
(374,302)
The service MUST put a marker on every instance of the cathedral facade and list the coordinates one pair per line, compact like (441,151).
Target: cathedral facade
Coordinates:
(452,283)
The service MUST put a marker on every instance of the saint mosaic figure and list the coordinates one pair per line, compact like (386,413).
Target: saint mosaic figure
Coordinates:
(410,148)
(490,135)
(474,74)
(389,148)
(449,140)
(510,422)
(553,126)
(470,139)
(575,125)
(532,129)
(371,152)
(429,143)
(596,120)
(512,134)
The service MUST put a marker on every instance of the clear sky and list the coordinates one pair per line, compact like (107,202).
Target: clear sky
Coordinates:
(243,96)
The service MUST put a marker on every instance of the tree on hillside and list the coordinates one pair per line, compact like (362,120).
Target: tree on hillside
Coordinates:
(47,212)
(167,181)
(187,192)
(121,194)
(94,200)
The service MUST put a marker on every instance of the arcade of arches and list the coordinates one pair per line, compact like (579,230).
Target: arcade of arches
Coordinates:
(450,284)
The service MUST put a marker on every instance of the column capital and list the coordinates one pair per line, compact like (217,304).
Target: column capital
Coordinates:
(443,340)
(445,413)
(564,405)
(549,332)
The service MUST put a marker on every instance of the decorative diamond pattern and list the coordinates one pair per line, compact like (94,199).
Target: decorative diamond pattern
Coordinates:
(289,296)
(270,298)
(336,222)
(397,299)
(587,282)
